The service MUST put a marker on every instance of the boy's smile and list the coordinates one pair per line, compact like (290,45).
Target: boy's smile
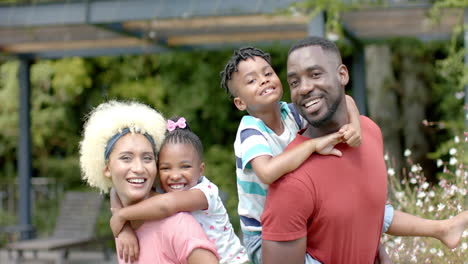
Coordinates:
(256,85)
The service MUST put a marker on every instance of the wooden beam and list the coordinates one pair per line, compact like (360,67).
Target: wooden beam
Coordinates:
(378,23)
(234,38)
(219,21)
(83,44)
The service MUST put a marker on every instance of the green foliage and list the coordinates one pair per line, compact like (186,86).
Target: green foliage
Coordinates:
(8,118)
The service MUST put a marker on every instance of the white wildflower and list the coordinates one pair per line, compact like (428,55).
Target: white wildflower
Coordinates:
(397,240)
(440,207)
(399,195)
(407,153)
(419,203)
(414,168)
(391,171)
(439,163)
(425,185)
(413,181)
(430,208)
(453,161)
(453,151)
(421,194)
(431,194)
(385,157)
(458,172)
(464,246)
(456,139)
(462,191)
(433,250)
(440,253)
(414,259)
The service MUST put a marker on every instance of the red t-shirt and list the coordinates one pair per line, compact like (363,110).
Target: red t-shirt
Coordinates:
(337,202)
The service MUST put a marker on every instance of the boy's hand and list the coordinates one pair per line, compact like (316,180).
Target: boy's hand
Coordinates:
(116,222)
(127,245)
(326,145)
(351,135)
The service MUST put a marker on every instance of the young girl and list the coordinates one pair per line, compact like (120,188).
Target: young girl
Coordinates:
(181,170)
(118,150)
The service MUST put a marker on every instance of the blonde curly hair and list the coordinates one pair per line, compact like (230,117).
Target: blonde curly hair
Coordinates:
(107,120)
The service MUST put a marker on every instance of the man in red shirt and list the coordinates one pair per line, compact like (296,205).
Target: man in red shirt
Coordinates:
(330,207)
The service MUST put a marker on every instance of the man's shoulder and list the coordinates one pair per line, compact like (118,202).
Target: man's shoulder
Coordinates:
(369,127)
(368,123)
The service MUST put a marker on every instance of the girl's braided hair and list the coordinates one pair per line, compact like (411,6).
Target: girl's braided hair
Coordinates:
(183,135)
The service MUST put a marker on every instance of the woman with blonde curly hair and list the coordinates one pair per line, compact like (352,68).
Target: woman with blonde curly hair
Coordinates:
(119,149)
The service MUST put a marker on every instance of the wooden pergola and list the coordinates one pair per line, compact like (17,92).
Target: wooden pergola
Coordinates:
(86,28)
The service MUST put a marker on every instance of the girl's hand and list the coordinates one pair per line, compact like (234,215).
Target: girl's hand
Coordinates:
(127,245)
(351,135)
(116,222)
(326,145)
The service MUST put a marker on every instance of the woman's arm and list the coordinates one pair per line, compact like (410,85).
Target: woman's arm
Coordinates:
(202,256)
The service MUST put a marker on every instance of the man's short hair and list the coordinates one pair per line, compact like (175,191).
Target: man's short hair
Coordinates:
(325,44)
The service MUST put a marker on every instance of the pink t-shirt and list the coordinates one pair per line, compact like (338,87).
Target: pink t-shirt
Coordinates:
(171,240)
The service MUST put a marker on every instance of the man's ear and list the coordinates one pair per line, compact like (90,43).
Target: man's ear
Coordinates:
(107,172)
(343,74)
(240,104)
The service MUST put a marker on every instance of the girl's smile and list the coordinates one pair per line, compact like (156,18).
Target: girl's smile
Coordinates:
(180,167)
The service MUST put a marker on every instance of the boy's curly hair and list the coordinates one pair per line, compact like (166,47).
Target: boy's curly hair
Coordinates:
(238,56)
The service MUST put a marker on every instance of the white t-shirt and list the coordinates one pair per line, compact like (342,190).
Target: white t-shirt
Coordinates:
(218,228)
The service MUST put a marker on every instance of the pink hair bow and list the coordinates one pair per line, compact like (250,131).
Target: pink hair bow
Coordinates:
(171,125)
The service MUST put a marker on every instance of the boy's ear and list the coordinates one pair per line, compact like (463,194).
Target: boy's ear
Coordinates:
(239,104)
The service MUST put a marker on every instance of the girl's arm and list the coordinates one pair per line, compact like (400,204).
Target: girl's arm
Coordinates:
(268,168)
(352,131)
(163,205)
(127,247)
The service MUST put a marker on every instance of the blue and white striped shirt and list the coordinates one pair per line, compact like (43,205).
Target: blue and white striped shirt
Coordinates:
(255,139)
